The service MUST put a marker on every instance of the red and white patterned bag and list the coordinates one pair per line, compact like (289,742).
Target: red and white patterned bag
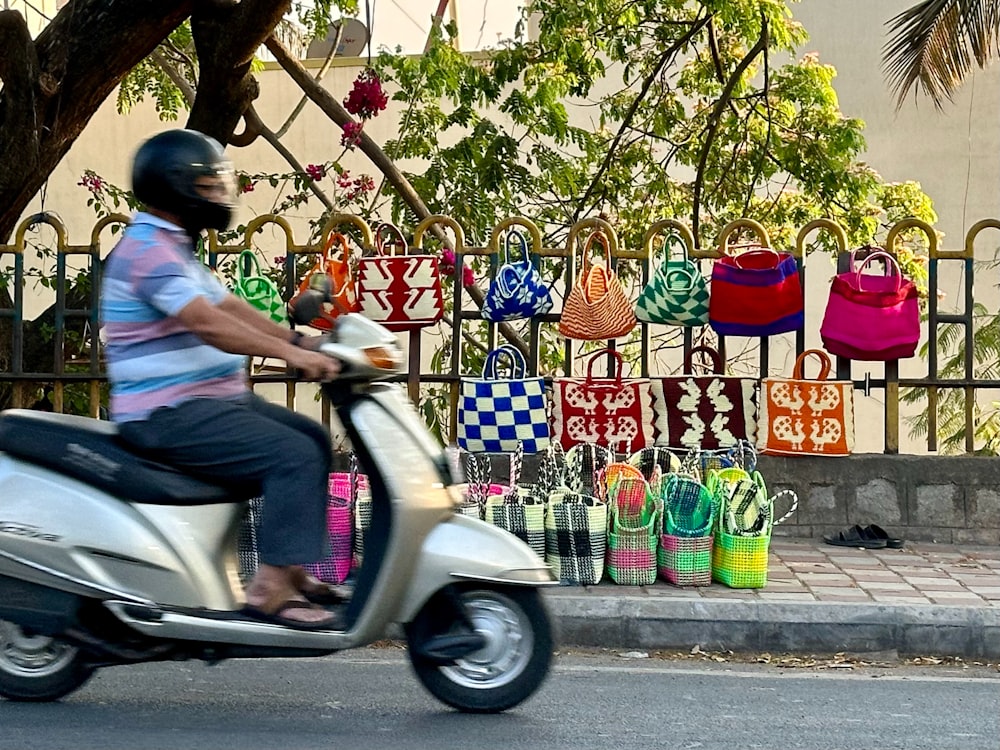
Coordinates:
(402,292)
(613,412)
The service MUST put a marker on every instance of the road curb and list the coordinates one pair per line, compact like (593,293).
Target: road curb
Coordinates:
(630,622)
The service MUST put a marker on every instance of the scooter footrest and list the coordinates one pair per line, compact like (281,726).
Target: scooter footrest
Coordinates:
(444,649)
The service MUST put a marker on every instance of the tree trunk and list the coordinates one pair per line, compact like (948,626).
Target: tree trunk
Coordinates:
(52,86)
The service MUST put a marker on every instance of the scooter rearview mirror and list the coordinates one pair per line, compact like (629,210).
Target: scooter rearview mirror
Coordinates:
(306,306)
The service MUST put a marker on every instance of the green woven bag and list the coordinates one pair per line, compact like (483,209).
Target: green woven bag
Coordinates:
(257,289)
(677,294)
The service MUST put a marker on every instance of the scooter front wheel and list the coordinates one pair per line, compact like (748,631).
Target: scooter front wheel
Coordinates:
(512,662)
(37,667)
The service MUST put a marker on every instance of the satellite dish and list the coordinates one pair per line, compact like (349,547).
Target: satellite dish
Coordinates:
(353,40)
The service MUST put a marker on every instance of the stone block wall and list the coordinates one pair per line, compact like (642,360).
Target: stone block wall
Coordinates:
(949,499)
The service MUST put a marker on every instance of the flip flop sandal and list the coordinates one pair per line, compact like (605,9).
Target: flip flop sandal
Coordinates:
(256,613)
(877,533)
(854,537)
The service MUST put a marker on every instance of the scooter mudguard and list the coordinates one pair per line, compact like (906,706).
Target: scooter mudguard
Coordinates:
(465,549)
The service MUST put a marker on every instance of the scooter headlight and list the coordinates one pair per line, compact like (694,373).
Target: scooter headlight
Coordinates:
(386,358)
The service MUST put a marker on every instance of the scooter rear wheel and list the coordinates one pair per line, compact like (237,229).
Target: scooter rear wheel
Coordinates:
(508,668)
(38,667)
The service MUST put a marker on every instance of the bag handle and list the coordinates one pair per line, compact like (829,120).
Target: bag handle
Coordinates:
(522,241)
(825,364)
(671,238)
(718,366)
(336,238)
(247,260)
(618,361)
(890,263)
(756,250)
(396,239)
(518,367)
(596,236)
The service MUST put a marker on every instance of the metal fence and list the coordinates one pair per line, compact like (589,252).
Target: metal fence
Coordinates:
(62,354)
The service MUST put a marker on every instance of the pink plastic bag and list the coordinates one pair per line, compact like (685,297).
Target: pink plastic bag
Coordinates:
(871,317)
(335,567)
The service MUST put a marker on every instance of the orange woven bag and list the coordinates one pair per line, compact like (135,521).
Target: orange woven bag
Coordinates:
(597,307)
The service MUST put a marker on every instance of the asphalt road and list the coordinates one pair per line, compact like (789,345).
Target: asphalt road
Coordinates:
(369,699)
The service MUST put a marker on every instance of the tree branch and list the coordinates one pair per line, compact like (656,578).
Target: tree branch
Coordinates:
(340,116)
(714,120)
(664,58)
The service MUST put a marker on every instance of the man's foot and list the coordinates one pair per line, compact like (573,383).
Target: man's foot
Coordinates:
(288,615)
(273,594)
(314,590)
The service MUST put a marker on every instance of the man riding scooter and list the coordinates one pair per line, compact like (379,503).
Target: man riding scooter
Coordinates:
(177,342)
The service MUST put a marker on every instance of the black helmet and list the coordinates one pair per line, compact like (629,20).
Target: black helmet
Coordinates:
(164,172)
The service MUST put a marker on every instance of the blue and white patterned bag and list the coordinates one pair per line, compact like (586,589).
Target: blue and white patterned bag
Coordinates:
(517,290)
(496,413)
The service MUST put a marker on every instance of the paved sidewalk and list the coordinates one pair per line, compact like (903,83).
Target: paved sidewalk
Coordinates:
(926,599)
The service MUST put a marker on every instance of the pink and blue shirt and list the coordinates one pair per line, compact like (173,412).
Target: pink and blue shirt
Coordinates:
(153,360)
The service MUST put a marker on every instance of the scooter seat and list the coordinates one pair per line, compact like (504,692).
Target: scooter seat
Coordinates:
(91,451)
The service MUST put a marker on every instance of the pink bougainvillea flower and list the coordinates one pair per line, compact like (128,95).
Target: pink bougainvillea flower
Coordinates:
(351,136)
(364,183)
(366,98)
(344,180)
(448,258)
(468,277)
(246,185)
(316,171)
(92,182)
(278,260)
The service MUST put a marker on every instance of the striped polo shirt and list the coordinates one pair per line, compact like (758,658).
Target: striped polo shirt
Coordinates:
(153,360)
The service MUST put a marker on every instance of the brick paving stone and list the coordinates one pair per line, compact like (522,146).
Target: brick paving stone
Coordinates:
(811,566)
(886,586)
(858,562)
(935,584)
(960,594)
(786,596)
(780,573)
(987,592)
(974,601)
(824,597)
(887,598)
(920,572)
(724,592)
(826,579)
(840,591)
(976,580)
(874,575)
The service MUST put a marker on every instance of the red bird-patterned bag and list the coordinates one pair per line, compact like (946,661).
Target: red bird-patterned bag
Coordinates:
(613,412)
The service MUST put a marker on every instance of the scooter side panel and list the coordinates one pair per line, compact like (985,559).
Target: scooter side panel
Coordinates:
(63,533)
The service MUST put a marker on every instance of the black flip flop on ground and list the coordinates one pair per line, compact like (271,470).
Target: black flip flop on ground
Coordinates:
(855,536)
(255,613)
(878,533)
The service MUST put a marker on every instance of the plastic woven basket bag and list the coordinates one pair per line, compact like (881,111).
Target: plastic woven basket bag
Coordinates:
(743,529)
(576,536)
(335,567)
(684,557)
(520,512)
(632,546)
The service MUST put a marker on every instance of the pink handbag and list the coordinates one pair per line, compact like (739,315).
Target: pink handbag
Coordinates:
(872,317)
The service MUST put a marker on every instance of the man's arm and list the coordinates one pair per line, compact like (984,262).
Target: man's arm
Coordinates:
(221,327)
(253,317)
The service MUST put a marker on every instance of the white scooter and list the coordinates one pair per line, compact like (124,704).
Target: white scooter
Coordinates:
(107,558)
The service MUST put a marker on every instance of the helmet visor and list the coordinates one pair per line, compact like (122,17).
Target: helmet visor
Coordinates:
(215,182)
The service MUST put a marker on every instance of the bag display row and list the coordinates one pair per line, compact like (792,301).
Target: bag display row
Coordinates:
(506,410)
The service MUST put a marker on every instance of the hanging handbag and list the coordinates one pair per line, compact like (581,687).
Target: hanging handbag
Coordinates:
(596,307)
(872,317)
(756,292)
(800,417)
(704,412)
(257,289)
(677,293)
(331,274)
(611,412)
(400,291)
(499,414)
(517,290)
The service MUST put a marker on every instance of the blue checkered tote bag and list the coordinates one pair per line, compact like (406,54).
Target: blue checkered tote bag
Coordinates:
(497,412)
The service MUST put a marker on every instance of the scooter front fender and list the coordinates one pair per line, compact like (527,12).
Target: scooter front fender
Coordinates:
(467,549)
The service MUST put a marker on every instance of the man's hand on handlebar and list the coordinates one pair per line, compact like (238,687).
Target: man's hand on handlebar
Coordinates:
(313,365)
